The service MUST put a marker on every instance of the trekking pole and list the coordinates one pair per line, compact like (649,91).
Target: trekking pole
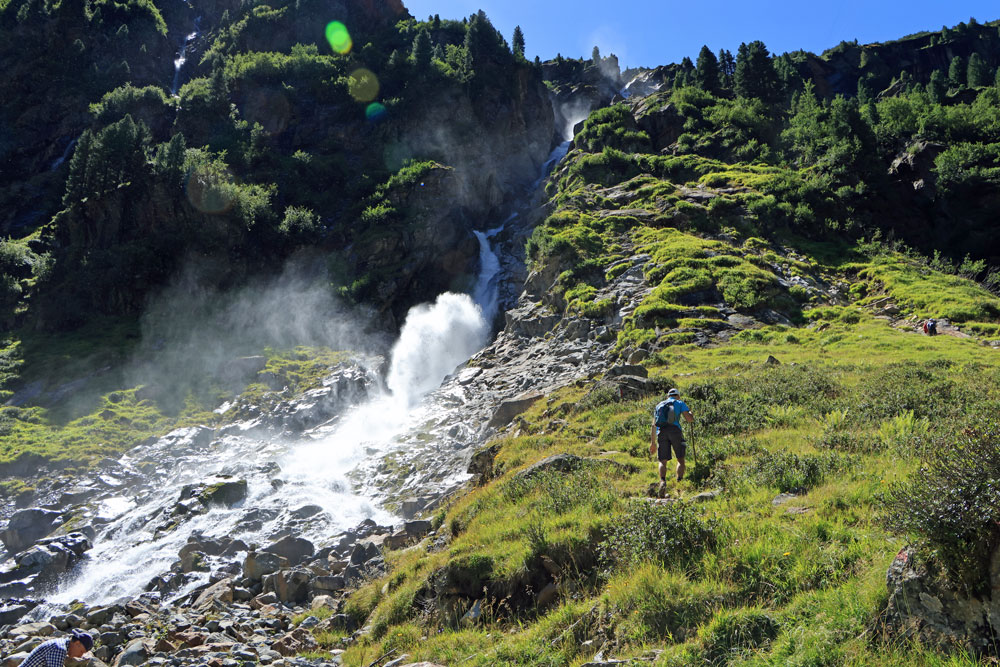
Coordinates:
(694,452)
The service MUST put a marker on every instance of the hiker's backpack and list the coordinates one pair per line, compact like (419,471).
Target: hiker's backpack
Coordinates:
(665,413)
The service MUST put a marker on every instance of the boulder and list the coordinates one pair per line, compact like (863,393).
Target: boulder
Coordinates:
(27,526)
(294,549)
(136,653)
(923,604)
(219,592)
(260,563)
(417,529)
(511,408)
(33,630)
(322,585)
(364,552)
(225,492)
(297,641)
(289,585)
(481,464)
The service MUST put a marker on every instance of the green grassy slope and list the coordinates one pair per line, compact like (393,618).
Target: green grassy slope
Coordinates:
(562,565)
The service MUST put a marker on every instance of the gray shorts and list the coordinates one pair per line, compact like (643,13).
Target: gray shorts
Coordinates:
(667,438)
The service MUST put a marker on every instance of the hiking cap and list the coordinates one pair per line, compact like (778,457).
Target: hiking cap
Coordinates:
(83,637)
(673,392)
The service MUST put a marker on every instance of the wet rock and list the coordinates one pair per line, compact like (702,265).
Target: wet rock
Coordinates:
(225,492)
(11,611)
(27,526)
(294,549)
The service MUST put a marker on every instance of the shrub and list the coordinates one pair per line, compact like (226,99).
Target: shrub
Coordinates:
(671,535)
(950,504)
(734,634)
(791,473)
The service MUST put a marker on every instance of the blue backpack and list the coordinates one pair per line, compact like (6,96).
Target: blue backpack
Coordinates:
(665,414)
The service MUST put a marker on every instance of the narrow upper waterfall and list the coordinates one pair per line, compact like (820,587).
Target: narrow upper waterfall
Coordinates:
(182,56)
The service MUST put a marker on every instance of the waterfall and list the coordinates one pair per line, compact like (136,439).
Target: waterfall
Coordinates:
(62,158)
(182,57)
(132,544)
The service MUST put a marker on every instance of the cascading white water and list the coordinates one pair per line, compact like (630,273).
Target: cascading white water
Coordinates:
(62,158)
(434,340)
(182,57)
(315,471)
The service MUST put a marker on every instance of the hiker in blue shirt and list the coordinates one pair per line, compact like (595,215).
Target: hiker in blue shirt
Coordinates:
(54,652)
(667,435)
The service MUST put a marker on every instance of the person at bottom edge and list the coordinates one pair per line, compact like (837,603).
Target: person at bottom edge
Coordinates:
(667,437)
(54,652)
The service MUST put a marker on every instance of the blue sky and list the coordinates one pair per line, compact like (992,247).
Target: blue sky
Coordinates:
(649,32)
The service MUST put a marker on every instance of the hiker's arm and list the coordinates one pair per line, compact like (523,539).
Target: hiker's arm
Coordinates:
(687,417)
(652,441)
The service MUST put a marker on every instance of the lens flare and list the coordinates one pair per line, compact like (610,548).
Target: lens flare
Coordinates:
(210,191)
(363,85)
(339,38)
(375,112)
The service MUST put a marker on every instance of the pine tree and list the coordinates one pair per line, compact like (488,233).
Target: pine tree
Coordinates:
(421,51)
(957,72)
(76,182)
(755,75)
(937,87)
(727,67)
(436,23)
(169,160)
(978,72)
(708,74)
(518,42)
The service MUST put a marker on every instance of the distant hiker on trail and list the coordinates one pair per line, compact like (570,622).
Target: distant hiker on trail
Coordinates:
(930,327)
(54,652)
(667,435)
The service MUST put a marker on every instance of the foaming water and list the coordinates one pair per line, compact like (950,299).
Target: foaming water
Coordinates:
(434,340)
(138,543)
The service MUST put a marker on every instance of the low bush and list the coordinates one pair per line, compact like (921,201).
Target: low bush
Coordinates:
(950,504)
(673,535)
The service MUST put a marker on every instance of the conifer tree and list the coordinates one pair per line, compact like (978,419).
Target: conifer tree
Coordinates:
(937,87)
(518,42)
(978,72)
(727,67)
(76,182)
(707,74)
(957,72)
(755,75)
(421,51)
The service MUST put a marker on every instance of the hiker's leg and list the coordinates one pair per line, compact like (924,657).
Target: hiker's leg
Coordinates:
(680,468)
(663,470)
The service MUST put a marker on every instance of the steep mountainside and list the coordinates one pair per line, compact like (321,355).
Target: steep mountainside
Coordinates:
(197,297)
